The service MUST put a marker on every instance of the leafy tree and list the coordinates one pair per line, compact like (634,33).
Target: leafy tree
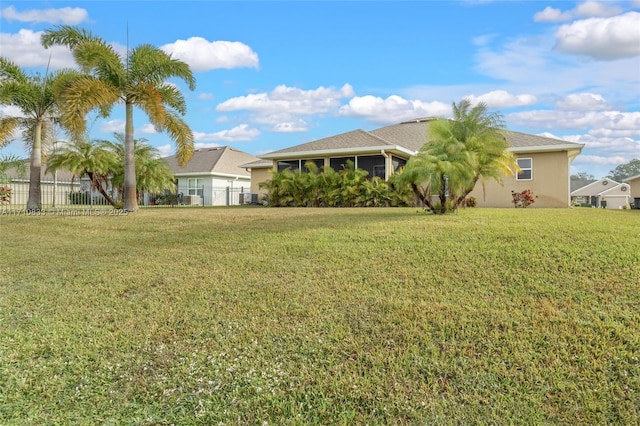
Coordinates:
(582,176)
(138,80)
(37,98)
(461,152)
(12,162)
(84,157)
(624,171)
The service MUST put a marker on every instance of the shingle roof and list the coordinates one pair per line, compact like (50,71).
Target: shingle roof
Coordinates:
(223,160)
(412,135)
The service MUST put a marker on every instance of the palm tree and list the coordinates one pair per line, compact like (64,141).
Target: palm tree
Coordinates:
(83,156)
(153,174)
(460,152)
(138,80)
(37,99)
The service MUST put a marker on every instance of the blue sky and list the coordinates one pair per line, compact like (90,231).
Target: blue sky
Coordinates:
(276,74)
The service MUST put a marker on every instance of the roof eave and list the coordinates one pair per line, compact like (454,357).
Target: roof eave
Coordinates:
(339,151)
(547,148)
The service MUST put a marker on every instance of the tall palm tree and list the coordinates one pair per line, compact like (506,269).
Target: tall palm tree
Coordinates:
(83,156)
(138,80)
(37,98)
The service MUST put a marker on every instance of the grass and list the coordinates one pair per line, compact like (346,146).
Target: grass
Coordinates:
(321,316)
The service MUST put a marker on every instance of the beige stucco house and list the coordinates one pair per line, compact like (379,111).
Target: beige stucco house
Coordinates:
(544,162)
(213,176)
(634,183)
(605,193)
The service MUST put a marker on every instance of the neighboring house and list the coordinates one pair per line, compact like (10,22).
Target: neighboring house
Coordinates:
(57,189)
(544,162)
(605,193)
(580,199)
(213,176)
(634,182)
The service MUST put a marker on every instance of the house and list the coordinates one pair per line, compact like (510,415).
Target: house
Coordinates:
(544,162)
(57,189)
(605,193)
(213,176)
(634,183)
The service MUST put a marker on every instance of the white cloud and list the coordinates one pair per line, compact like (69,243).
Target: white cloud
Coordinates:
(239,133)
(583,102)
(290,127)
(596,9)
(112,126)
(392,109)
(616,123)
(291,100)
(600,160)
(502,99)
(25,50)
(165,150)
(65,15)
(203,55)
(549,14)
(602,38)
(148,129)
(201,145)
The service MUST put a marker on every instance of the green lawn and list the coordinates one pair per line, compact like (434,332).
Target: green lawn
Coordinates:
(321,316)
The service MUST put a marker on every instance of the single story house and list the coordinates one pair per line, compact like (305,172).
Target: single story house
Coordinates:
(605,193)
(634,183)
(544,162)
(213,176)
(57,189)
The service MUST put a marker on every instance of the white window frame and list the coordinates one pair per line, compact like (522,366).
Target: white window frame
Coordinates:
(524,169)
(195,186)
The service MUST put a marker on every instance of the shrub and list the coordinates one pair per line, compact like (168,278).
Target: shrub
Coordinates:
(5,194)
(523,199)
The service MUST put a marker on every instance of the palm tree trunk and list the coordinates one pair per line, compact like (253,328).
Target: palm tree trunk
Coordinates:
(459,200)
(422,198)
(95,180)
(35,196)
(130,196)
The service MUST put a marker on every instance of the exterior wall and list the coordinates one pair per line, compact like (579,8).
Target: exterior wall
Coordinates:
(216,190)
(550,183)
(635,187)
(258,176)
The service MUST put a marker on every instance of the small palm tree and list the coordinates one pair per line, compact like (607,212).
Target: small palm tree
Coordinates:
(153,174)
(138,80)
(37,98)
(84,157)
(460,152)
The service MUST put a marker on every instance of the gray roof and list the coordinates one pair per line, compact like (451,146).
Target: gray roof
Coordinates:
(219,160)
(411,136)
(580,183)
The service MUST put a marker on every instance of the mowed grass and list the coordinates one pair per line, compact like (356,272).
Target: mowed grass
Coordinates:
(321,316)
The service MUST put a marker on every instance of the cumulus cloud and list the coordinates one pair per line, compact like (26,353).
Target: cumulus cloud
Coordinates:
(503,99)
(613,124)
(549,14)
(602,38)
(25,50)
(596,9)
(392,109)
(112,126)
(600,160)
(290,127)
(65,15)
(583,102)
(148,129)
(165,150)
(239,133)
(204,55)
(291,100)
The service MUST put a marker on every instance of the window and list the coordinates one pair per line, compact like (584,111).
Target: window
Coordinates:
(398,163)
(373,164)
(339,163)
(526,169)
(299,164)
(195,187)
